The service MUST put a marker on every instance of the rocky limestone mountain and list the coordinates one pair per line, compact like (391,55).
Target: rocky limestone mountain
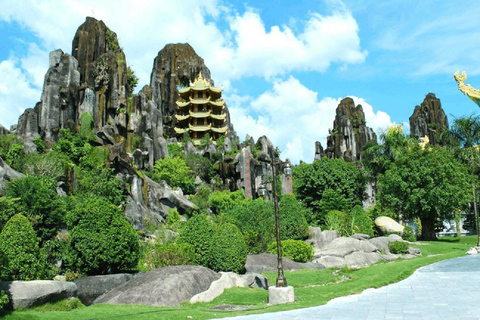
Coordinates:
(428,119)
(349,133)
(94,84)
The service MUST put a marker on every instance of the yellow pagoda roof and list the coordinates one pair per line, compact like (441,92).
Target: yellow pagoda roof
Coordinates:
(219,130)
(182,104)
(181,130)
(199,128)
(218,116)
(205,114)
(199,101)
(182,117)
(200,84)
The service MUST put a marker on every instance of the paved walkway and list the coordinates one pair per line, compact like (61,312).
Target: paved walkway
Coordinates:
(448,289)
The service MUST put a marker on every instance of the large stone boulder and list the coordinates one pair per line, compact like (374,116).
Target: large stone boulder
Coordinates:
(268,262)
(90,288)
(167,286)
(230,280)
(26,294)
(386,225)
(7,173)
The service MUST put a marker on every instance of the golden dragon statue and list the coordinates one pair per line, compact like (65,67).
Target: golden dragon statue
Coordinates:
(467,89)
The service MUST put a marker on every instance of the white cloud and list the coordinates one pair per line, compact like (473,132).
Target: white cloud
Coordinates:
(293,117)
(15,93)
(323,41)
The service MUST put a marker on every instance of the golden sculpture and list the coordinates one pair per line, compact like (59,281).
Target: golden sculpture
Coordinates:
(467,89)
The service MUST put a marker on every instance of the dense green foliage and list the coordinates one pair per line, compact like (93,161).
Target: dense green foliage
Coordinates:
(228,251)
(349,223)
(101,240)
(222,201)
(328,177)
(100,183)
(296,250)
(201,166)
(39,202)
(175,172)
(20,252)
(398,247)
(198,232)
(159,255)
(425,183)
(4,300)
(293,224)
(256,221)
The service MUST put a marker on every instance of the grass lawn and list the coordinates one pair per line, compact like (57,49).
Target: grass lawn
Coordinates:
(312,288)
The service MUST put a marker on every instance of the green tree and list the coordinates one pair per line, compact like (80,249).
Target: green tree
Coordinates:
(425,183)
(101,239)
(256,221)
(310,181)
(199,231)
(293,224)
(229,251)
(20,251)
(40,203)
(175,172)
(201,166)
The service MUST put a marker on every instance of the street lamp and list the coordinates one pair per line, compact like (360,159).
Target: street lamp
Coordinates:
(281,281)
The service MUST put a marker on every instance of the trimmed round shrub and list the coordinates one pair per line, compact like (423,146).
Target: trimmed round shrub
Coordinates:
(293,224)
(101,239)
(398,247)
(229,251)
(296,250)
(198,231)
(19,251)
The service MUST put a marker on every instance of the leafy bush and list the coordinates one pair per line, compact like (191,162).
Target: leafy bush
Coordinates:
(52,164)
(101,239)
(361,221)
(222,201)
(38,142)
(100,183)
(408,234)
(175,172)
(200,166)
(20,251)
(293,249)
(161,255)
(338,221)
(229,252)
(398,247)
(198,232)
(201,197)
(293,224)
(8,208)
(256,221)
(4,299)
(40,203)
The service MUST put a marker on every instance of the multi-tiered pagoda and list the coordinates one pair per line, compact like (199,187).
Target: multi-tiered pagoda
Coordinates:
(200,111)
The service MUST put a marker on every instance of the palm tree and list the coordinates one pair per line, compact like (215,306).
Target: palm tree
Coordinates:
(466,132)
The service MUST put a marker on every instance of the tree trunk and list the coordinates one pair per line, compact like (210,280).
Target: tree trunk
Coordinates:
(428,229)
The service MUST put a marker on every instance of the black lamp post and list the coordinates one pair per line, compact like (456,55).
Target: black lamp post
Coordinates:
(281,281)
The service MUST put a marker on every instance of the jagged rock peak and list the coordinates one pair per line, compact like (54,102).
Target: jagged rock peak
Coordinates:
(349,133)
(428,119)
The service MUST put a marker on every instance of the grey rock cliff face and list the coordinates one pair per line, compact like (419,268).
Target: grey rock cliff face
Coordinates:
(349,134)
(428,119)
(58,106)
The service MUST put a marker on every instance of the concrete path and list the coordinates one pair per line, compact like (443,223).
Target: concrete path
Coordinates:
(448,289)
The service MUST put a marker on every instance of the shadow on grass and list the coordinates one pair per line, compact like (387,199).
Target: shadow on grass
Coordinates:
(449,240)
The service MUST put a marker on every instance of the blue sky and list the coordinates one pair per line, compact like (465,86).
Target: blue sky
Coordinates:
(284,65)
